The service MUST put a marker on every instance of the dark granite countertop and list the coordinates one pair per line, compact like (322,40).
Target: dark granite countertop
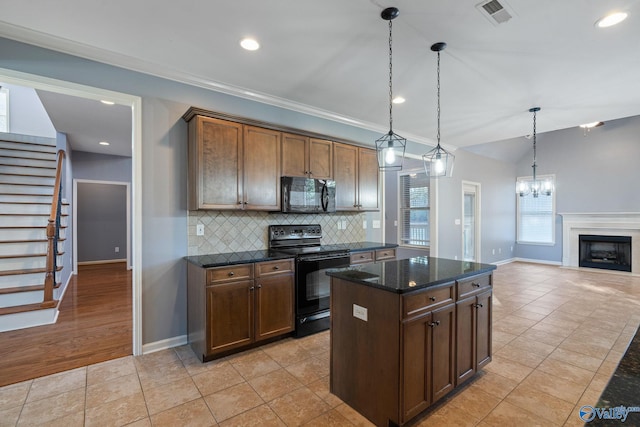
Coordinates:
(623,390)
(246,257)
(408,275)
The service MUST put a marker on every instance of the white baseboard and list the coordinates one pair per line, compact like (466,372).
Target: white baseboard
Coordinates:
(538,261)
(104,261)
(164,344)
(504,261)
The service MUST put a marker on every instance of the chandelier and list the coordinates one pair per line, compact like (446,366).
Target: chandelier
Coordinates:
(390,147)
(438,162)
(535,187)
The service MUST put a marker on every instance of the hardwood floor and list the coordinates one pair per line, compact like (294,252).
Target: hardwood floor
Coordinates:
(94,325)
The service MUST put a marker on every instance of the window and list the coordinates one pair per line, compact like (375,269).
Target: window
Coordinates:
(536,216)
(4,109)
(414,209)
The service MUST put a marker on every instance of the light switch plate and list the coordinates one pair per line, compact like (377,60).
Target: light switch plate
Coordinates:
(376,223)
(457,221)
(360,312)
(364,224)
(200,230)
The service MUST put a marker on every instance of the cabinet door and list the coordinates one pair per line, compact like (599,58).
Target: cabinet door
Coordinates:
(294,155)
(465,339)
(442,370)
(215,157)
(367,179)
(415,359)
(483,319)
(261,169)
(274,305)
(345,173)
(320,159)
(229,315)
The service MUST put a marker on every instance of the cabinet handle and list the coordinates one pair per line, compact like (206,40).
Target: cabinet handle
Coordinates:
(259,286)
(251,288)
(246,203)
(362,256)
(231,274)
(475,285)
(479,305)
(434,324)
(432,298)
(276,267)
(239,202)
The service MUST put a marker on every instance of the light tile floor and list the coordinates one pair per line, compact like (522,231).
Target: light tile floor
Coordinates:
(557,338)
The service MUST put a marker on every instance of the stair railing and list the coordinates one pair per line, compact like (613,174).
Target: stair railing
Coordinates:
(53,235)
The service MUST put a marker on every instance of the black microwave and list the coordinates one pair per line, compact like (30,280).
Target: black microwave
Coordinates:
(308,195)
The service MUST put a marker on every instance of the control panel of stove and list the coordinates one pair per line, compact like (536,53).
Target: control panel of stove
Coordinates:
(306,231)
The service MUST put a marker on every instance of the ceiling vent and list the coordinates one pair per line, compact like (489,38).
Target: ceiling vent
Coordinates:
(494,11)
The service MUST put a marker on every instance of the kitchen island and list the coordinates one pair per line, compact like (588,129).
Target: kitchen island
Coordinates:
(404,333)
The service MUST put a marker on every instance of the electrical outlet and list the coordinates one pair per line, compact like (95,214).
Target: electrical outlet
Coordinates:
(499,250)
(493,251)
(117,249)
(200,230)
(339,225)
(511,248)
(344,224)
(364,224)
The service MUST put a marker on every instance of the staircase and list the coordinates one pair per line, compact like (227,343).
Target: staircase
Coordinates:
(27,177)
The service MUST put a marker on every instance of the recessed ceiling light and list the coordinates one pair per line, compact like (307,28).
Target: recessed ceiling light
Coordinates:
(591,125)
(611,19)
(398,100)
(249,44)
(103,143)
(104,101)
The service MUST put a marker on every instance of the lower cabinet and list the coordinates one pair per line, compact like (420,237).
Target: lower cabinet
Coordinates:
(428,359)
(233,307)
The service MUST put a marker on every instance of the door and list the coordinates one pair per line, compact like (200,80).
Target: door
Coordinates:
(471,221)
(230,315)
(261,182)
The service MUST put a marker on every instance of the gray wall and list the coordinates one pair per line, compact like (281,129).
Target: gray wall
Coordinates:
(102,221)
(101,167)
(164,165)
(27,114)
(594,173)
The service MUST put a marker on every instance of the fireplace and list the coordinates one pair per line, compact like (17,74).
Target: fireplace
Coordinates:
(606,252)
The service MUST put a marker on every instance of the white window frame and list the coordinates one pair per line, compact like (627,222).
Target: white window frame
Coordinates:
(430,209)
(7,117)
(552,177)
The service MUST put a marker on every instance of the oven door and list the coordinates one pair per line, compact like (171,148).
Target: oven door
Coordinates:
(312,283)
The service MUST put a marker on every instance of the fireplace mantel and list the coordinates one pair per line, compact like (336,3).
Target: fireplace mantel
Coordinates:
(602,223)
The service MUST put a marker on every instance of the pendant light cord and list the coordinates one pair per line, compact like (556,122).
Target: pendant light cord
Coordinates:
(438,77)
(390,80)
(534,146)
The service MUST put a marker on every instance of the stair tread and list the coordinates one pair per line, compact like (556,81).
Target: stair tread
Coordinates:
(30,288)
(29,214)
(24,308)
(30,203)
(25,183)
(33,175)
(30,240)
(27,255)
(26,271)
(13,165)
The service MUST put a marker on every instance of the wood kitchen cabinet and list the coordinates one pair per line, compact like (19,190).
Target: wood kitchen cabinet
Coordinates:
(473,326)
(232,166)
(356,175)
(362,257)
(306,157)
(232,308)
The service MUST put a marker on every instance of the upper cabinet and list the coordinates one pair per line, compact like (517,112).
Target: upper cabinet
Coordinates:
(237,165)
(306,157)
(233,166)
(356,176)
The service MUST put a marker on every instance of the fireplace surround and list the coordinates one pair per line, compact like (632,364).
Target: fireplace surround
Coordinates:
(602,224)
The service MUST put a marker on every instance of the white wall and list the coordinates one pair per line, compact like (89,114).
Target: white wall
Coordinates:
(27,116)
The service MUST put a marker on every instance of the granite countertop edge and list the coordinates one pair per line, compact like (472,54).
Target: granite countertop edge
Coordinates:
(248,257)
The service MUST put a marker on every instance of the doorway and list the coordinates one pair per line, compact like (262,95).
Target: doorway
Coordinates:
(471,221)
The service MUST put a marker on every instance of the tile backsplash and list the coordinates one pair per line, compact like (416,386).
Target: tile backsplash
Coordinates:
(233,231)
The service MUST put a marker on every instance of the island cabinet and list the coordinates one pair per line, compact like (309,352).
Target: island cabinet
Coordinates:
(233,166)
(473,320)
(396,338)
(356,175)
(232,308)
(306,157)
(362,257)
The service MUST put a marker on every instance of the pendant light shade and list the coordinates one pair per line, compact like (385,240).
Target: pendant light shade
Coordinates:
(390,147)
(438,162)
(535,187)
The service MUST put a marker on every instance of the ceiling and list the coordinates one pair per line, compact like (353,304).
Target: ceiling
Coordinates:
(330,58)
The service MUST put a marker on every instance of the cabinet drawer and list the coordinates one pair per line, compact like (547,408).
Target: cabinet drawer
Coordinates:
(382,254)
(361,257)
(427,300)
(232,272)
(473,285)
(269,268)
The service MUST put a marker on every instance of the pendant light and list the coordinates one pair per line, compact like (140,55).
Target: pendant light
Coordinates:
(534,187)
(438,162)
(390,147)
